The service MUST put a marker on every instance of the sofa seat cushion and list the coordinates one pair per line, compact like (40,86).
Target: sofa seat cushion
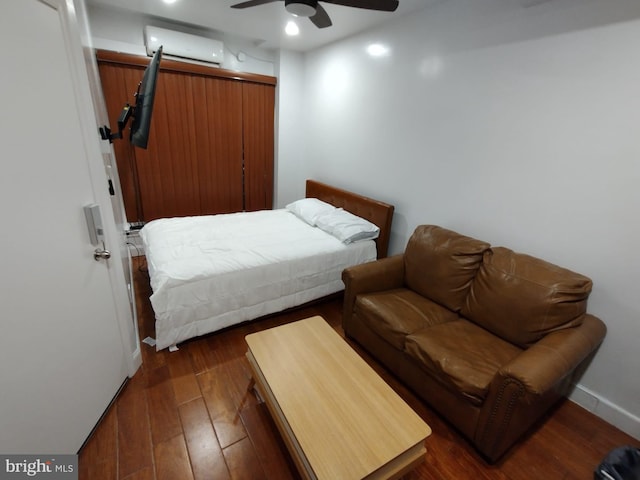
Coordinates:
(461,355)
(394,314)
(522,298)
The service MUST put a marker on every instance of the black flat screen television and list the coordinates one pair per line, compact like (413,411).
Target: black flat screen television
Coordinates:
(144,102)
(143,108)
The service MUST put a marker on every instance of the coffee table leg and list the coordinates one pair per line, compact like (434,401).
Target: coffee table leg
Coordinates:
(256,391)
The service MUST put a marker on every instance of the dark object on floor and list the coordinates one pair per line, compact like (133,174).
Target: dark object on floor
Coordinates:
(622,463)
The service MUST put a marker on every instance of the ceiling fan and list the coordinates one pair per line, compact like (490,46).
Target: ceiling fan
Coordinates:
(317,14)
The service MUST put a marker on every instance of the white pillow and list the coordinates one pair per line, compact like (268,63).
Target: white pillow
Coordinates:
(309,209)
(347,227)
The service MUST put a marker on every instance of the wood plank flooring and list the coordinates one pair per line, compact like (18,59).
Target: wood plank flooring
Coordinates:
(189,415)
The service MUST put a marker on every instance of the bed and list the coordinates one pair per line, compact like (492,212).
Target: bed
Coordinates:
(214,271)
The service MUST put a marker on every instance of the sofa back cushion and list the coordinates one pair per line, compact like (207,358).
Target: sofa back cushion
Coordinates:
(522,298)
(440,264)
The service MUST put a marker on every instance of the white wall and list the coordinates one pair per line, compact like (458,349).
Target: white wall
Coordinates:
(519,126)
(290,129)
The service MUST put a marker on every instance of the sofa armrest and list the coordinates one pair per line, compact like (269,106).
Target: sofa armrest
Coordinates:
(555,356)
(524,389)
(384,274)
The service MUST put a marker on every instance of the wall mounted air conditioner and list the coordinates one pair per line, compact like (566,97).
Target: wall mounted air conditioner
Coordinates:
(183,45)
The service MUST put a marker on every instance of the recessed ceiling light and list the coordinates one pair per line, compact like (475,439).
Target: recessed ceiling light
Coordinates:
(377,50)
(169,2)
(291,28)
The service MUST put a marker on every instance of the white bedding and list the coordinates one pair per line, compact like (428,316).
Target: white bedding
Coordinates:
(211,272)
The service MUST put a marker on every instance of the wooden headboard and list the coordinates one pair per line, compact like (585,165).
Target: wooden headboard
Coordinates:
(377,212)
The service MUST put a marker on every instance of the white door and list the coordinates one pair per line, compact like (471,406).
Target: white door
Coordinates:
(62,354)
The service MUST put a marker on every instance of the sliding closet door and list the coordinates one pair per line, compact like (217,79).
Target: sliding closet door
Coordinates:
(218,129)
(211,140)
(168,168)
(193,164)
(119,83)
(257,115)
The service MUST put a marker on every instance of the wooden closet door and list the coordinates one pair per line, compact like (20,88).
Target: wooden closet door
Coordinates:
(168,169)
(258,109)
(193,164)
(218,128)
(211,139)
(119,83)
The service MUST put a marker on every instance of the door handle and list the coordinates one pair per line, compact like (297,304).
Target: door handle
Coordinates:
(101,254)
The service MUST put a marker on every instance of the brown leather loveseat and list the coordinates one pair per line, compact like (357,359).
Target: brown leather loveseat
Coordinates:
(488,337)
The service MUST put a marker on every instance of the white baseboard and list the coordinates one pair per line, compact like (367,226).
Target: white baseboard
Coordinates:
(136,361)
(605,409)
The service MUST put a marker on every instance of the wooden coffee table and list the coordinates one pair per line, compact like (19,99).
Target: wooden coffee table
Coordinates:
(339,419)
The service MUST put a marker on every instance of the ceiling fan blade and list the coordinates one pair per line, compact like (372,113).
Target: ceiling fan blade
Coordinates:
(252,3)
(382,5)
(321,18)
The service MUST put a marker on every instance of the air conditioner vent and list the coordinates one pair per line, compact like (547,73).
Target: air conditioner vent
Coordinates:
(183,45)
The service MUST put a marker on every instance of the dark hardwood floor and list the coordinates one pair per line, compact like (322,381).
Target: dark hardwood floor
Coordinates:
(189,415)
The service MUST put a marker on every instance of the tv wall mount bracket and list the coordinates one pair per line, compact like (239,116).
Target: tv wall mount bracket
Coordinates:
(125,115)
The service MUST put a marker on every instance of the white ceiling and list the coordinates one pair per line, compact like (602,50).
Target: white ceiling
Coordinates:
(264,24)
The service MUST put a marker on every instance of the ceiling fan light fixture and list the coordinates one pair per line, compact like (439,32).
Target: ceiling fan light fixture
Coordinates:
(291,29)
(301,8)
(314,11)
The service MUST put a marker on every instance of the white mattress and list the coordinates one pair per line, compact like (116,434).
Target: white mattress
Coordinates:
(211,272)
